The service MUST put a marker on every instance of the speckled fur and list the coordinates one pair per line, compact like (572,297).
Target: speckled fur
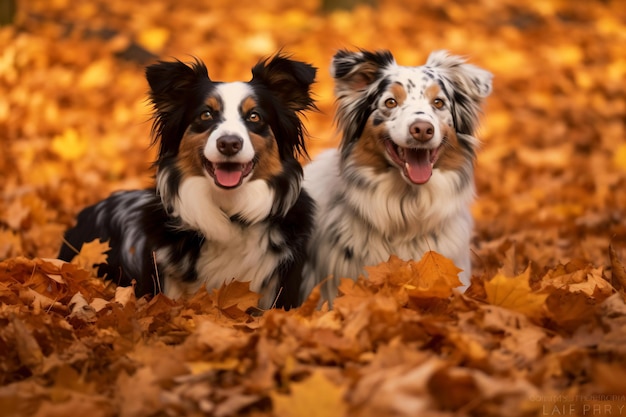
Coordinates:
(367,208)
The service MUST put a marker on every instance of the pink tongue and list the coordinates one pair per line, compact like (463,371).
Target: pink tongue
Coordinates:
(418,167)
(228,178)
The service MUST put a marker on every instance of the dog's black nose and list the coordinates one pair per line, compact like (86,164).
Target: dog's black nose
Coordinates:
(229,145)
(422,131)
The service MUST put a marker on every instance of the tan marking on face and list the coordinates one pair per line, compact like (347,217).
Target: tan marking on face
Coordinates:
(399,93)
(213,103)
(247,105)
(369,150)
(432,92)
(452,157)
(268,164)
(189,160)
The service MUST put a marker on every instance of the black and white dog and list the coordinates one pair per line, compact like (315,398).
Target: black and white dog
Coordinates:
(228,202)
(402,181)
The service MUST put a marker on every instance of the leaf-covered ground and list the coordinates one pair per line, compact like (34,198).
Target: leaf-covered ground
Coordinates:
(542,330)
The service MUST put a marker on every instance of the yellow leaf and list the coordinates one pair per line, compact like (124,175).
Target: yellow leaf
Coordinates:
(515,294)
(154,38)
(92,253)
(97,75)
(313,397)
(69,145)
(619,157)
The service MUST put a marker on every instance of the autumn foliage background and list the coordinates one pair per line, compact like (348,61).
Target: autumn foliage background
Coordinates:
(542,330)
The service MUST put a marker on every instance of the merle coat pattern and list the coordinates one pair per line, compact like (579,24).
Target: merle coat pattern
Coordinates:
(401,182)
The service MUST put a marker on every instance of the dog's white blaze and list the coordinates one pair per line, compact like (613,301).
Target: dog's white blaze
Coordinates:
(416,107)
(233,94)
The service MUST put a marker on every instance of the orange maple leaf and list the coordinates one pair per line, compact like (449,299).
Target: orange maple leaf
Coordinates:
(92,253)
(395,272)
(436,277)
(433,276)
(515,294)
(235,298)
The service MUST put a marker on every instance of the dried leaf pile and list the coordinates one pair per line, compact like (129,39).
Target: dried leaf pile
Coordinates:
(541,331)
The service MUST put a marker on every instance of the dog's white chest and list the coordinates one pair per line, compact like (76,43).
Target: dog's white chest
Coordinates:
(245,257)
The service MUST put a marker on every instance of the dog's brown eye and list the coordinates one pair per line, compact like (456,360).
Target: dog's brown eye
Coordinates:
(254,117)
(206,115)
(438,103)
(390,103)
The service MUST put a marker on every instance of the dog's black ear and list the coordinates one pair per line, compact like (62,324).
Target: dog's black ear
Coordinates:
(172,82)
(357,76)
(357,70)
(175,87)
(289,80)
(466,85)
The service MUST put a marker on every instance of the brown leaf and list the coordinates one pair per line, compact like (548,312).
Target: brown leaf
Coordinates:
(618,270)
(28,349)
(235,298)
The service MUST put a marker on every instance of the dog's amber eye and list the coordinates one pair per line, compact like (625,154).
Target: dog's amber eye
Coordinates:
(254,117)
(390,103)
(206,115)
(438,103)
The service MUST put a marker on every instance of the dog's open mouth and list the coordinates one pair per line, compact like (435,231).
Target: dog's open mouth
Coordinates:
(228,174)
(417,164)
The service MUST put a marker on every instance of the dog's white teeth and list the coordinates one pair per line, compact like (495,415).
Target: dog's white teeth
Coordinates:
(401,152)
(406,165)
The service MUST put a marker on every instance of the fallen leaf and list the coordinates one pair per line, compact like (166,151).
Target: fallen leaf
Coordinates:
(316,396)
(69,145)
(515,294)
(81,310)
(235,298)
(436,277)
(28,350)
(618,270)
(92,254)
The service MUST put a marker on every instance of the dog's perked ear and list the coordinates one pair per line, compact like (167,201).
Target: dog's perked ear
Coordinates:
(465,85)
(288,80)
(174,88)
(357,70)
(357,77)
(171,82)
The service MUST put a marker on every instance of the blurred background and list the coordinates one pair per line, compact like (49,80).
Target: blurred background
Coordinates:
(551,174)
